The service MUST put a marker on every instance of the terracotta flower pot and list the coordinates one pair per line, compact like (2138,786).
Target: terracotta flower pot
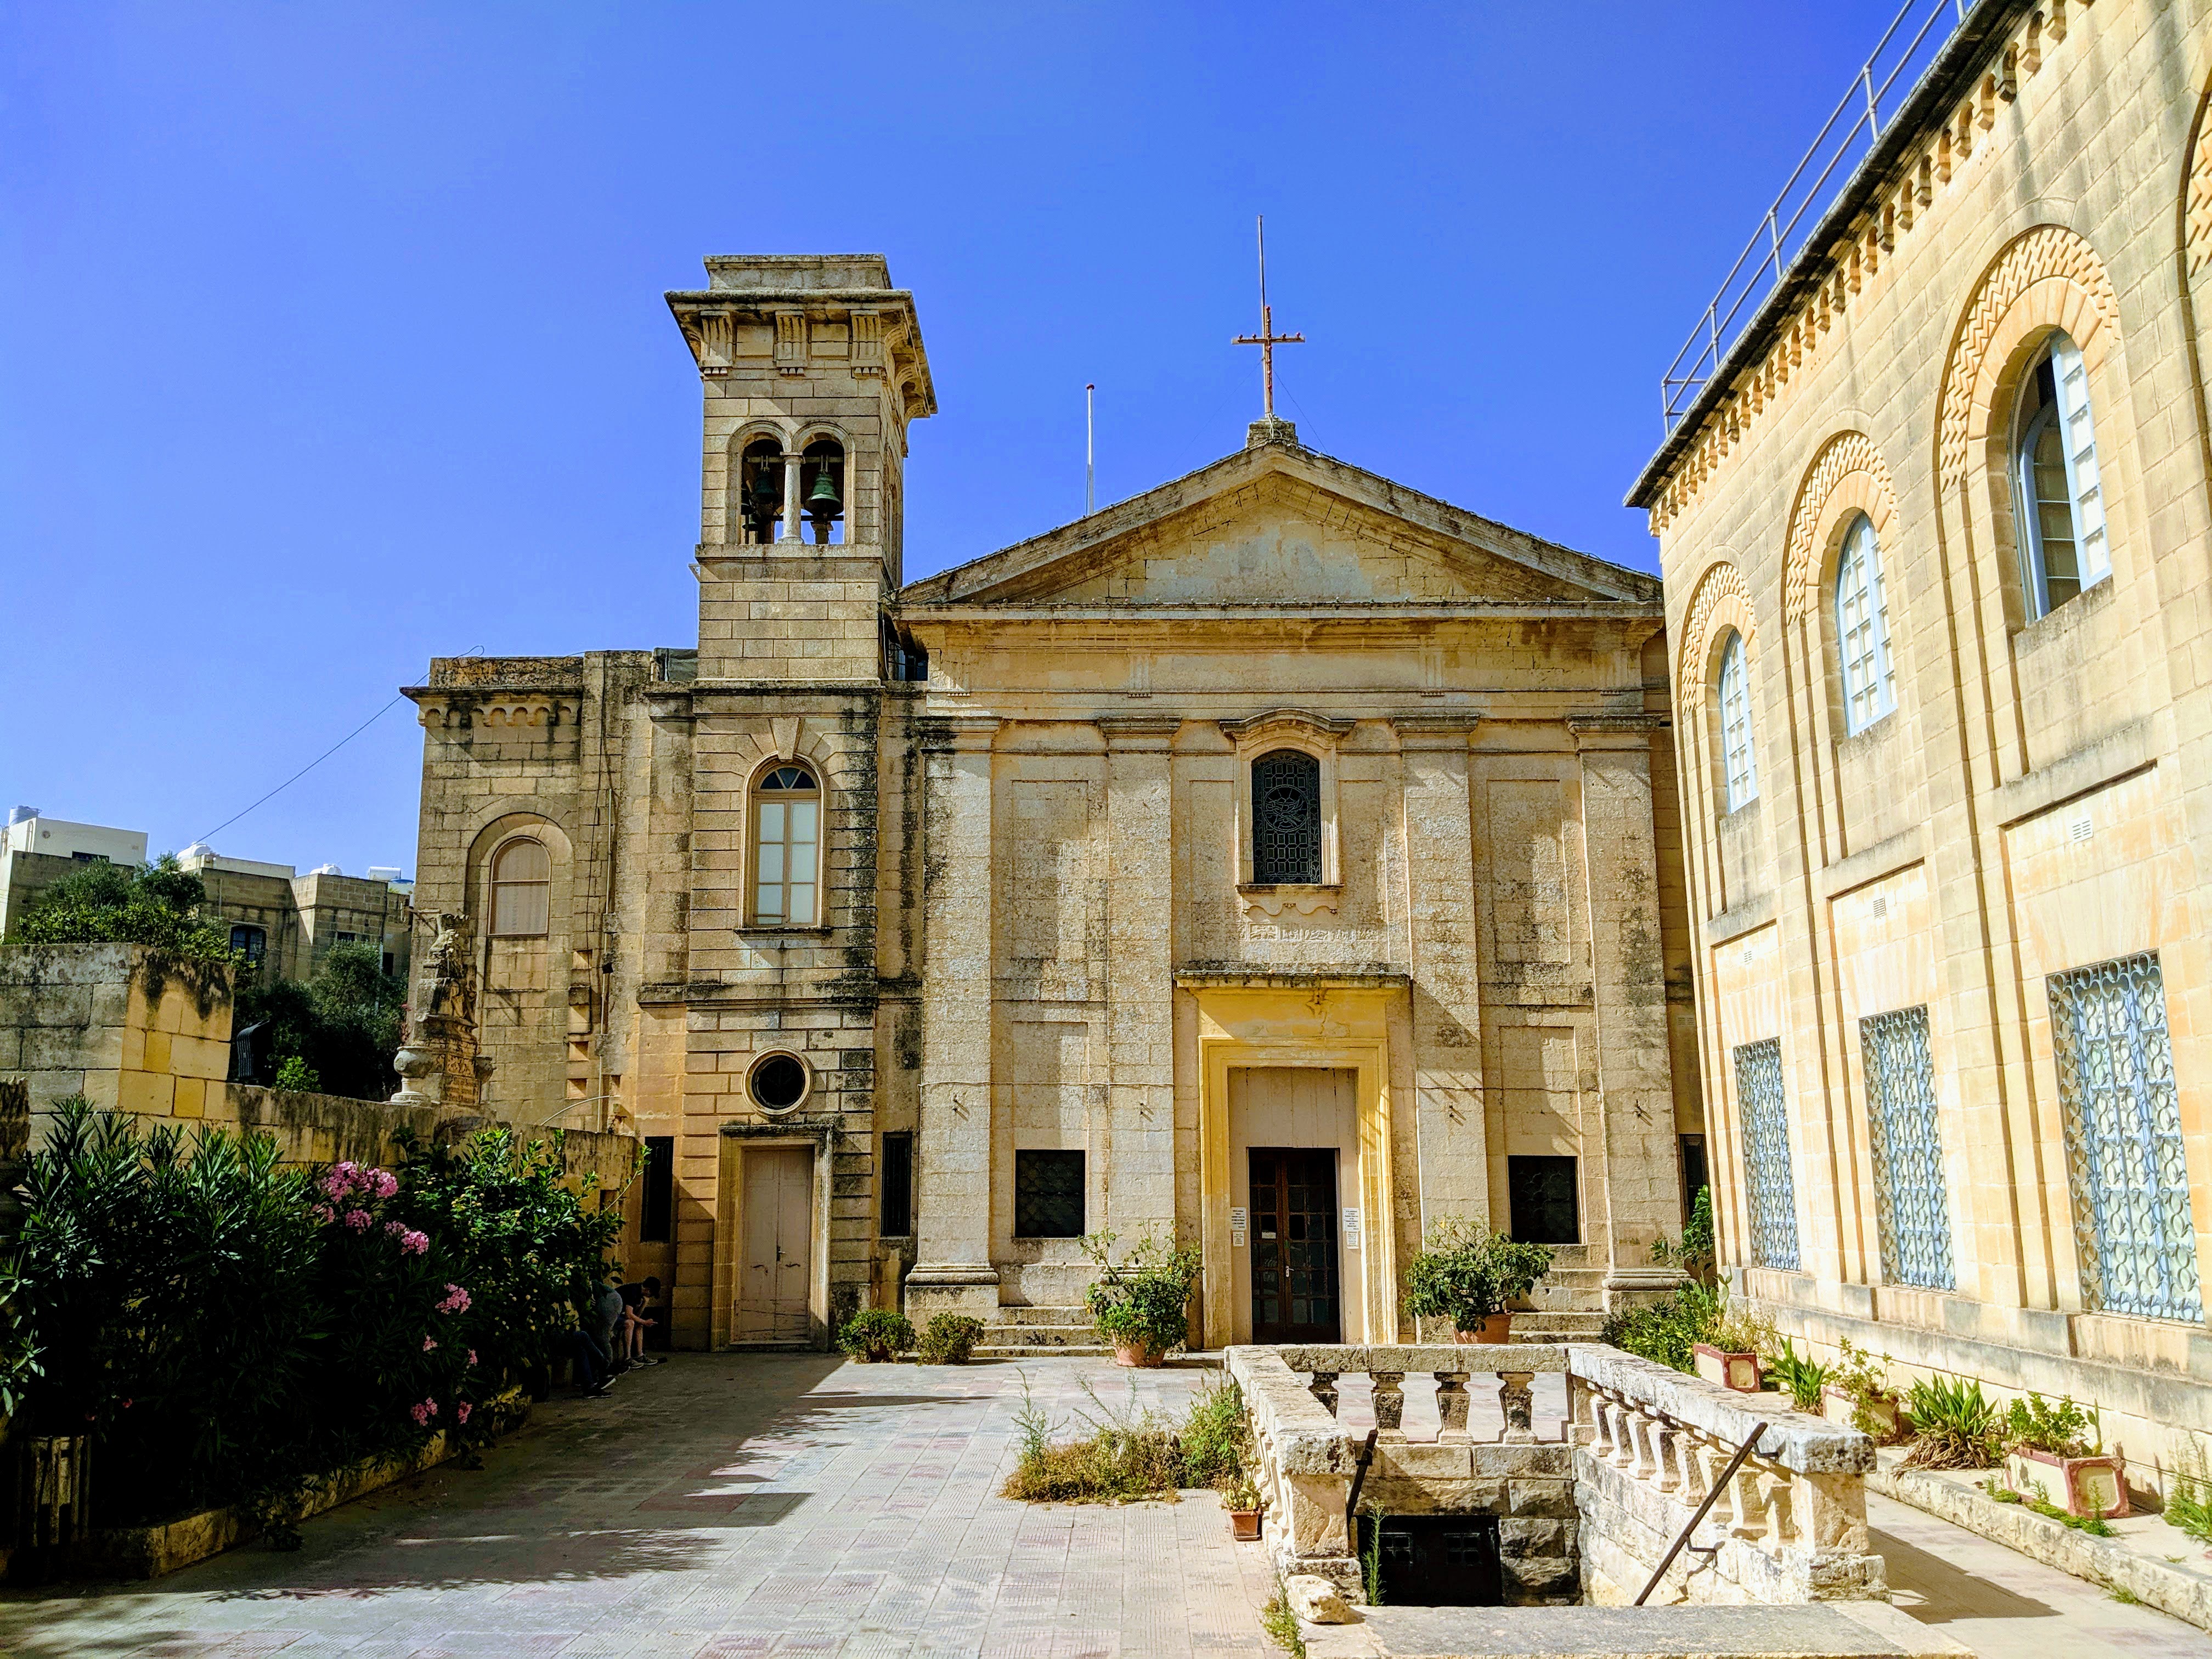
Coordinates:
(1137,1354)
(1244,1525)
(1492,1327)
(1739,1372)
(2083,1486)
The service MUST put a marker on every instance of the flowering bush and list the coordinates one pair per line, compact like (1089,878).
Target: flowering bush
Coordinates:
(227,1326)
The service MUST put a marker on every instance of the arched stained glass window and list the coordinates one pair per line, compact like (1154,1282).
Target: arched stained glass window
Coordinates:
(2058,493)
(1739,765)
(521,890)
(1862,629)
(786,838)
(1286,817)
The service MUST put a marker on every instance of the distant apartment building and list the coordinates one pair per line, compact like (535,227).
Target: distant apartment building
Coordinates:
(277,917)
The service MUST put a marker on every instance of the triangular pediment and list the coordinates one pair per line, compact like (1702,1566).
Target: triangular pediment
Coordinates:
(1278,525)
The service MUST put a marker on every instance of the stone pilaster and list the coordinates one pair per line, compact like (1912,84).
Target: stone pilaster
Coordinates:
(953,1271)
(1139,972)
(1628,972)
(1453,1158)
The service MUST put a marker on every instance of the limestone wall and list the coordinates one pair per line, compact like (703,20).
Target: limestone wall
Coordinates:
(2041,799)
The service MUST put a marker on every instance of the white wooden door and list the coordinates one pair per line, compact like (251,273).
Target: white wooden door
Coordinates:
(779,1244)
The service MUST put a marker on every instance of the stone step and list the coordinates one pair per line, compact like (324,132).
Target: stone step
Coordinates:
(1028,1315)
(1544,1325)
(1013,1335)
(1065,1351)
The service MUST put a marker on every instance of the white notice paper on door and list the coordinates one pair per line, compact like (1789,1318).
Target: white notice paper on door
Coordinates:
(1351,1228)
(1236,1227)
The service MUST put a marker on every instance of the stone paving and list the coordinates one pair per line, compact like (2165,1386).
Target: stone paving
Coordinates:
(719,1506)
(727,1505)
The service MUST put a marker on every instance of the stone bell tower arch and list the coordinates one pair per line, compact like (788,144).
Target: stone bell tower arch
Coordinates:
(812,367)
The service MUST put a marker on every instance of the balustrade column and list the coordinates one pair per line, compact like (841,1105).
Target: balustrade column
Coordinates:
(1516,1400)
(1579,1415)
(1451,1404)
(1751,1504)
(1389,1402)
(1669,1435)
(1323,1389)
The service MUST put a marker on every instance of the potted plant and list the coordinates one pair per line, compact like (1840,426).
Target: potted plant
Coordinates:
(2043,1440)
(1241,1500)
(1800,1376)
(1470,1277)
(1728,1353)
(875,1334)
(1141,1303)
(1858,1394)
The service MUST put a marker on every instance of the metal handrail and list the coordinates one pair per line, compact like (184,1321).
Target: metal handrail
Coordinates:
(1779,239)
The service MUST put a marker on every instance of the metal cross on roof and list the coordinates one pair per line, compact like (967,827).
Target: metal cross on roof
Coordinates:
(1267,339)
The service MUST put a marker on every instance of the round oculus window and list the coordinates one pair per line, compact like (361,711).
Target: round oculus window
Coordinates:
(779,1082)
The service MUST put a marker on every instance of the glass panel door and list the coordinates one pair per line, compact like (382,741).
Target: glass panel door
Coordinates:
(1295,1296)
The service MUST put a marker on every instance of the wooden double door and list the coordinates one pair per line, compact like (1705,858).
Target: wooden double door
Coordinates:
(1296,1278)
(776,1276)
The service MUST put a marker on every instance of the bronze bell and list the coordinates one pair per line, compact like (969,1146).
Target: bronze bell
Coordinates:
(822,501)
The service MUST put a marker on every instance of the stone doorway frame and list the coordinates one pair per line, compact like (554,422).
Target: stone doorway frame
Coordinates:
(737,1139)
(1343,1020)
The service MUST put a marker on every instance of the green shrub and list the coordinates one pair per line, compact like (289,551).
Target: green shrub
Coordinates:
(1127,1452)
(1867,1385)
(2063,1429)
(875,1334)
(338,1030)
(1142,1300)
(948,1339)
(1801,1376)
(1216,1440)
(1957,1427)
(1694,1255)
(1465,1274)
(1666,1330)
(2189,1498)
(229,1328)
(155,905)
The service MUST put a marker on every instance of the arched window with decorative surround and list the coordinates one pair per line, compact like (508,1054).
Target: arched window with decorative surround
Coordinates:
(760,492)
(1739,765)
(822,490)
(786,820)
(1286,823)
(521,890)
(2058,497)
(1862,629)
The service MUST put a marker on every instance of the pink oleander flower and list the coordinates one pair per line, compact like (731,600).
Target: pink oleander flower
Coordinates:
(359,1220)
(339,1182)
(472,1360)
(393,1228)
(428,1343)
(457,1300)
(461,1414)
(423,1412)
(414,1244)
(323,1215)
(383,1182)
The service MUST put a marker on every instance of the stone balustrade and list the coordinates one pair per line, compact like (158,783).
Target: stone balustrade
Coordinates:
(1588,1519)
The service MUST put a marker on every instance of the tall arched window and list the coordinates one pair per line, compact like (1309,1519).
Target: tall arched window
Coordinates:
(1862,629)
(787,837)
(1739,765)
(521,890)
(1286,817)
(2057,496)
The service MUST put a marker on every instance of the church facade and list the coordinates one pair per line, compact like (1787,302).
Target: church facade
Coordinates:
(1277,861)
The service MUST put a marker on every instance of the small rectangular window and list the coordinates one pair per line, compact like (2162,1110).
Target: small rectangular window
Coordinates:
(898,1186)
(348,938)
(251,943)
(656,1220)
(1545,1205)
(1048,1194)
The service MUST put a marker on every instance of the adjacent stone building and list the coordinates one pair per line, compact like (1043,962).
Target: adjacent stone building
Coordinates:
(1277,859)
(1936,544)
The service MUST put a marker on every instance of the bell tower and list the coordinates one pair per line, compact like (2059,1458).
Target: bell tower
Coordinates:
(813,366)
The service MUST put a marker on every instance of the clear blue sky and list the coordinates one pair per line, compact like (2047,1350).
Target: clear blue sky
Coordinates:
(331,336)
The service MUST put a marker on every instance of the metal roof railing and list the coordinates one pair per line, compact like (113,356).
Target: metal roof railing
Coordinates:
(1904,51)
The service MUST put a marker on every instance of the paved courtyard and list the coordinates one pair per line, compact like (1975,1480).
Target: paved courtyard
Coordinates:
(718,1507)
(727,1505)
